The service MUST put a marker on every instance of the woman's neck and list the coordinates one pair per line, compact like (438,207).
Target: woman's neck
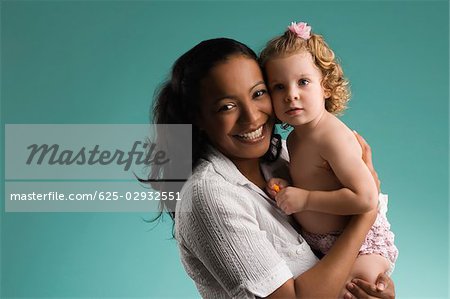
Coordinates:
(251,169)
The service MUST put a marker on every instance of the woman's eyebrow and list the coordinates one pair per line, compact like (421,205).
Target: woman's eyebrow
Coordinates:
(233,97)
(225,97)
(258,83)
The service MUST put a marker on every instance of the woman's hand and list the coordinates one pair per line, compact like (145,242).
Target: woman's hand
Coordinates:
(360,289)
(367,158)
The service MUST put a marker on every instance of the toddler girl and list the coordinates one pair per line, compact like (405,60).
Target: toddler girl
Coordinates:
(330,180)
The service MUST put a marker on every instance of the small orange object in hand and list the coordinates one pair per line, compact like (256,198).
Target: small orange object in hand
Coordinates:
(276,188)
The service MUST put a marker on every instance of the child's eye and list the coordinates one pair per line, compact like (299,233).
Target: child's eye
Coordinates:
(303,82)
(259,93)
(226,107)
(278,87)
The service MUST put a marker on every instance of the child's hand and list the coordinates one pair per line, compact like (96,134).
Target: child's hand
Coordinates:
(275,185)
(292,200)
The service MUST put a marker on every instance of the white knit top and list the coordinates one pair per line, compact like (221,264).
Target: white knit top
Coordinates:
(234,242)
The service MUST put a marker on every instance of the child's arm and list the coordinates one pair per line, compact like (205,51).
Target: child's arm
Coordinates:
(360,193)
(342,151)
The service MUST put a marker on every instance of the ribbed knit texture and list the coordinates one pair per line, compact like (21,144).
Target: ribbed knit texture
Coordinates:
(233,241)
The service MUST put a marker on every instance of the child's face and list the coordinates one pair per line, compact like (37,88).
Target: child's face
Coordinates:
(295,84)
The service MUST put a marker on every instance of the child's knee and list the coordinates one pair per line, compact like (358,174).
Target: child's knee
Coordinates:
(369,266)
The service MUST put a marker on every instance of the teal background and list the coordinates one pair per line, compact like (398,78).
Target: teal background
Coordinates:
(100,61)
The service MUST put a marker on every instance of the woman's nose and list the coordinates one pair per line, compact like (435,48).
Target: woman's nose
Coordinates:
(250,113)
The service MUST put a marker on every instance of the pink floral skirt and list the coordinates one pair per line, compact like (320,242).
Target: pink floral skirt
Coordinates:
(379,239)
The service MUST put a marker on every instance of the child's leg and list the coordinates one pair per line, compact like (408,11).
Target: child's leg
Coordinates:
(367,267)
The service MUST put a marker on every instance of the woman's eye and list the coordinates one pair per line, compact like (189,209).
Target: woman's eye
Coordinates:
(303,82)
(259,93)
(226,107)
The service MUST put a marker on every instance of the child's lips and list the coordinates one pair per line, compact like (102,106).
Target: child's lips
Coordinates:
(294,111)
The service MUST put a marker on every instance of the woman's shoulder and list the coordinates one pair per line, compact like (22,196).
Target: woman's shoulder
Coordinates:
(204,178)
(212,187)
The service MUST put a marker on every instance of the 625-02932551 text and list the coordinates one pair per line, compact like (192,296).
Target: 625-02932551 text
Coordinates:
(97,195)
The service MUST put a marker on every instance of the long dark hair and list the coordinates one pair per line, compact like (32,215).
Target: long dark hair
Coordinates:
(178,100)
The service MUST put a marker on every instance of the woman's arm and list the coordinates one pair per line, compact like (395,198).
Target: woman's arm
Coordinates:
(367,158)
(327,277)
(384,287)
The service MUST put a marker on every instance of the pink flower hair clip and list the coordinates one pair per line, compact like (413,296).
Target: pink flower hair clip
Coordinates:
(301,29)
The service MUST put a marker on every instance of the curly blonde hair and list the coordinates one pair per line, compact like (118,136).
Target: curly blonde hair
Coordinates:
(333,80)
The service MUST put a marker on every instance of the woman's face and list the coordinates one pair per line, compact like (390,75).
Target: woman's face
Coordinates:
(236,110)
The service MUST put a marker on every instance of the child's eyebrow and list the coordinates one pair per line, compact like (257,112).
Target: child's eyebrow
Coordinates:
(272,83)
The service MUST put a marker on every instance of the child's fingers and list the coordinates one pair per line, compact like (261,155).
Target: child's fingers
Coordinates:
(366,150)
(273,188)
(283,183)
(276,188)
(271,192)
(271,182)
(277,181)
(280,198)
(284,206)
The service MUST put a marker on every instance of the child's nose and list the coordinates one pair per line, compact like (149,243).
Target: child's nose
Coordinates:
(293,94)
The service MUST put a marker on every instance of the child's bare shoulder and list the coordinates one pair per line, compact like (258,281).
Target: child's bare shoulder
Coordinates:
(334,135)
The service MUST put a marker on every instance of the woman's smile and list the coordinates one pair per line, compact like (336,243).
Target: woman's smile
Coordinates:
(253,136)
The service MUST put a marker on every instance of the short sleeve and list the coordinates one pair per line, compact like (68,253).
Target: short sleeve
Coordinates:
(222,231)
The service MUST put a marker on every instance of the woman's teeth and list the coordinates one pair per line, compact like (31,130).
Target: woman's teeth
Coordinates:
(252,135)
